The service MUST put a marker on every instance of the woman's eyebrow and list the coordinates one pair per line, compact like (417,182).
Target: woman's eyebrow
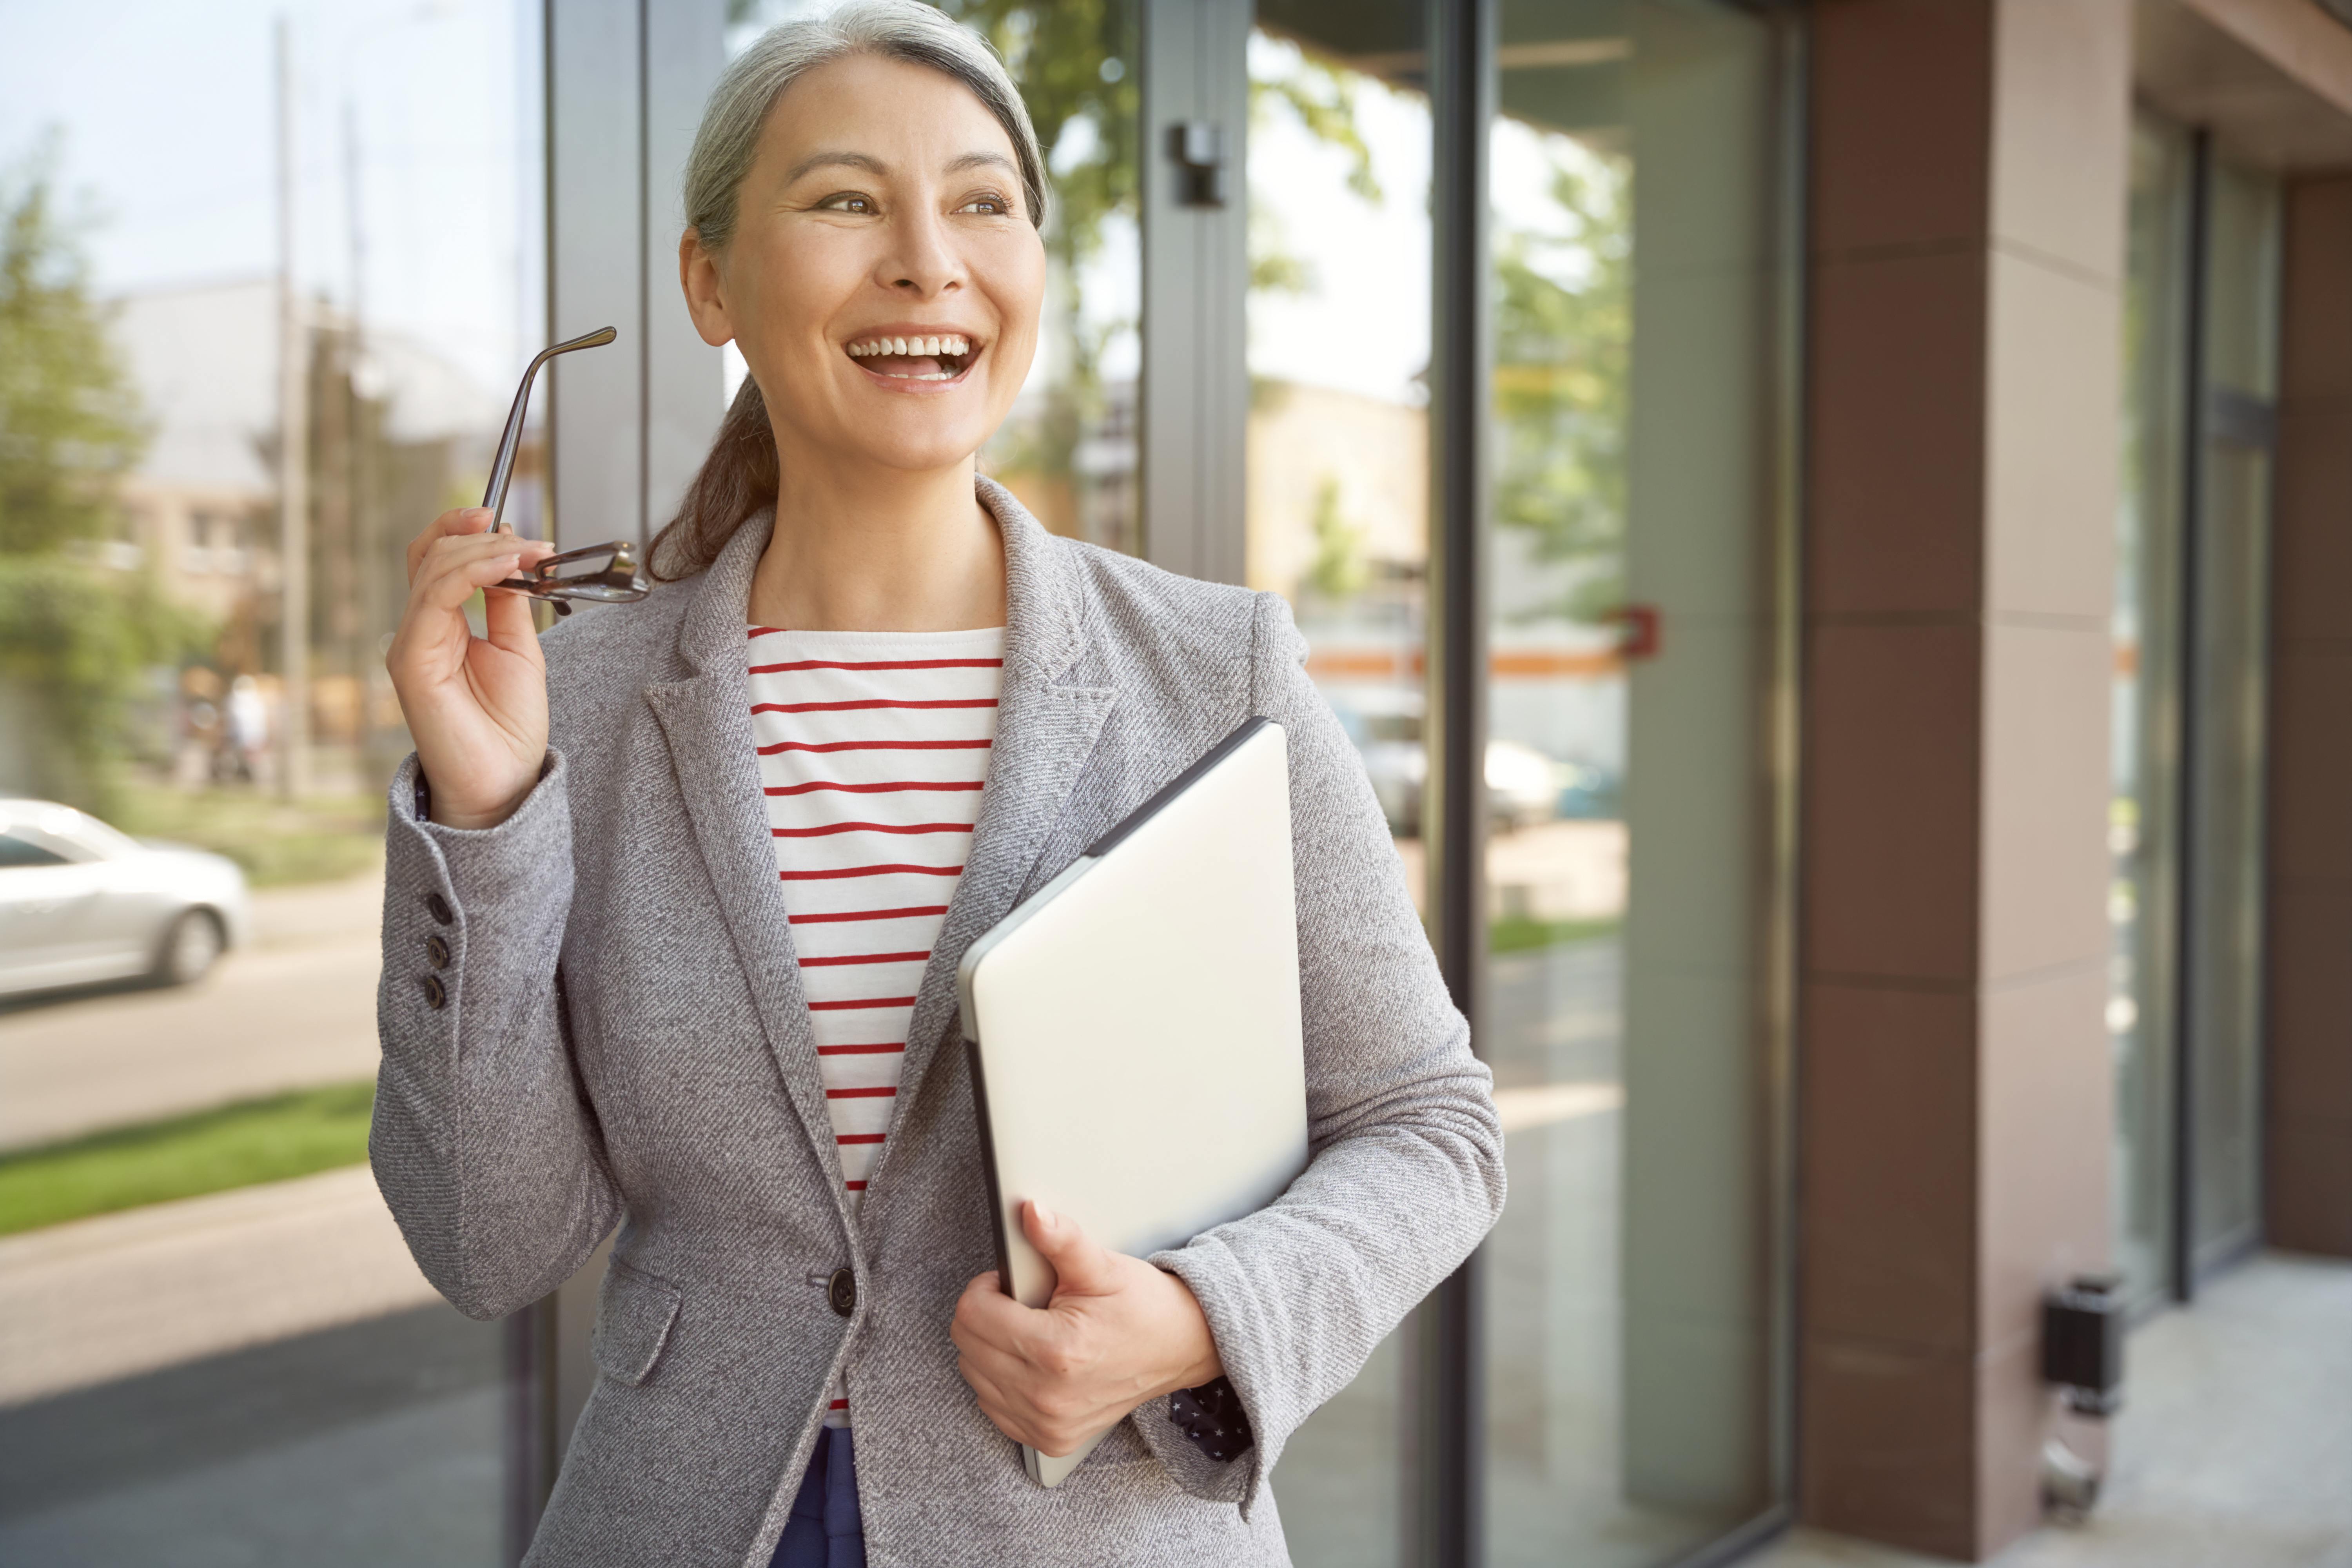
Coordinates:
(979,160)
(871,164)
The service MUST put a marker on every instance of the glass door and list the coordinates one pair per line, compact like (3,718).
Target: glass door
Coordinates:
(1338,485)
(2144,813)
(1628,1006)
(2228,693)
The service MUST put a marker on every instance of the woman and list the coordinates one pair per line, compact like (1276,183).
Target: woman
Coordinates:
(677,895)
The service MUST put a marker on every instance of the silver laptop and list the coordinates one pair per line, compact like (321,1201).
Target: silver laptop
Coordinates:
(1134,1027)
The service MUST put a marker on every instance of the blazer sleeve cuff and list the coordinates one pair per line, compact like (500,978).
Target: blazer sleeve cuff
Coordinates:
(1215,1280)
(497,898)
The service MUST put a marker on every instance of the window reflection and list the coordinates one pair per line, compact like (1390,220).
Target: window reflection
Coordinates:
(1337,497)
(1627,1320)
(213,1345)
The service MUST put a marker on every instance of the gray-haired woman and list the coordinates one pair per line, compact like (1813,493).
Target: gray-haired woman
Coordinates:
(677,895)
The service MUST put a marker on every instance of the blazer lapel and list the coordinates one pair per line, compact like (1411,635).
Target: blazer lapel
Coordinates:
(707,720)
(1044,732)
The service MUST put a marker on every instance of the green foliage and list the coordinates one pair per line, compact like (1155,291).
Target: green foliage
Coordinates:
(69,419)
(1524,933)
(278,842)
(73,634)
(272,1139)
(1338,571)
(1563,359)
(73,638)
(1323,99)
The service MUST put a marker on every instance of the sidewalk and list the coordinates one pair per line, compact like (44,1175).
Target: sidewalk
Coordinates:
(2233,1449)
(101,1299)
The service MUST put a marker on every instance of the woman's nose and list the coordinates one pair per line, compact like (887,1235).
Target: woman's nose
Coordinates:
(923,257)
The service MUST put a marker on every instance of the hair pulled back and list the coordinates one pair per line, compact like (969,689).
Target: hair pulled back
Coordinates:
(740,474)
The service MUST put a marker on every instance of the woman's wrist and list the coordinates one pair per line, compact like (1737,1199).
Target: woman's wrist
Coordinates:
(1199,1362)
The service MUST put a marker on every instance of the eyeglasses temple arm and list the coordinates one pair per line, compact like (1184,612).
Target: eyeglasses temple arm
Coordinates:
(502,467)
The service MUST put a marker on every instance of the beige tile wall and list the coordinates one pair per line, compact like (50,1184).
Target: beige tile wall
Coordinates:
(1967,214)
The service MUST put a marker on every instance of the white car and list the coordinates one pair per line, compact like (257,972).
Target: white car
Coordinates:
(81,903)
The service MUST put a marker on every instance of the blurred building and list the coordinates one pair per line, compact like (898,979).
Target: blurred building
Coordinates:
(1826,524)
(396,430)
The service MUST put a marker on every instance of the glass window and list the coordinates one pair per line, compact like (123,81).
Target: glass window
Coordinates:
(1337,487)
(21,851)
(219,1349)
(2228,691)
(2143,825)
(1629,1327)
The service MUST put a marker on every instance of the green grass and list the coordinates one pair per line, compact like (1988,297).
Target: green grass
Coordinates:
(1525,933)
(277,841)
(270,1139)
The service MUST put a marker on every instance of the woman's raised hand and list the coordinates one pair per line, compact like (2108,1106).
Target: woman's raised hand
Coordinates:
(476,706)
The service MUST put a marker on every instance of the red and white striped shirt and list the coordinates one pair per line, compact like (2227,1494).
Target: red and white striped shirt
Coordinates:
(873,747)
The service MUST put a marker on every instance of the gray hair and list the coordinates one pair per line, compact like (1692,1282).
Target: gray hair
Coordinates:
(894,29)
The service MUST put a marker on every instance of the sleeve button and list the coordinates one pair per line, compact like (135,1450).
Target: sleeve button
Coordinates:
(438,907)
(438,950)
(436,995)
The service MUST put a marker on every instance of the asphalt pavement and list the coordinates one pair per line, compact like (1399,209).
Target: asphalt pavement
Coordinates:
(295,1009)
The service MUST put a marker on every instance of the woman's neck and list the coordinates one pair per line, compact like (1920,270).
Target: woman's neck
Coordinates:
(880,551)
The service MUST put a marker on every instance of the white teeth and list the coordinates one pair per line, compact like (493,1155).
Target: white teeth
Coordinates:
(933,346)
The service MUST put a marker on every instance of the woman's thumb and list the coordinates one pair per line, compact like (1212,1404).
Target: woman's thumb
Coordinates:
(1080,1266)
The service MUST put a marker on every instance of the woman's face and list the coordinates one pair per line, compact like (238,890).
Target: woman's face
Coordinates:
(884,280)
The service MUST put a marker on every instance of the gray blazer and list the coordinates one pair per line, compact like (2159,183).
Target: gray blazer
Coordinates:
(618,1036)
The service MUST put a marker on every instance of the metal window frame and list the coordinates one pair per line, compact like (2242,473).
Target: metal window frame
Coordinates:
(1194,414)
(625,83)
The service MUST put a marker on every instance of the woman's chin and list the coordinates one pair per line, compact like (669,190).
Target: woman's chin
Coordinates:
(911,451)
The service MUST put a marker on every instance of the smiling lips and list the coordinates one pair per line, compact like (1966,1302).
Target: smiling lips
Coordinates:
(935,357)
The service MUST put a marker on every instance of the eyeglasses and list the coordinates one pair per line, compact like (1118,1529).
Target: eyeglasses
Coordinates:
(601,574)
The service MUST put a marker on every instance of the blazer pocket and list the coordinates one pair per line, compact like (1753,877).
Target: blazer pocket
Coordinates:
(633,1314)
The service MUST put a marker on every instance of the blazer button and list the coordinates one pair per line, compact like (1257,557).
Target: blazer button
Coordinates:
(438,907)
(841,1290)
(436,995)
(437,950)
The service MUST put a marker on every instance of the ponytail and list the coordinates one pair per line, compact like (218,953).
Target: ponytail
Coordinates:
(736,480)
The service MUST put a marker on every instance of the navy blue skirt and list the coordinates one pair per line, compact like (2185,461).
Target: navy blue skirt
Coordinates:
(825,1531)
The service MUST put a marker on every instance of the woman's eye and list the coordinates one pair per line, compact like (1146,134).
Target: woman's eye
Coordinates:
(847,201)
(994,205)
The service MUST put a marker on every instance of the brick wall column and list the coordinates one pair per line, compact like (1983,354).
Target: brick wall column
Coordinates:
(2308,1139)
(1966,236)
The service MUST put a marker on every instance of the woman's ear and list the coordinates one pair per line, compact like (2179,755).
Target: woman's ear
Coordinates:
(697,275)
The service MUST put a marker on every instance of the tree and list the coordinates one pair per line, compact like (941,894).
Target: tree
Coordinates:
(74,634)
(1563,365)
(69,421)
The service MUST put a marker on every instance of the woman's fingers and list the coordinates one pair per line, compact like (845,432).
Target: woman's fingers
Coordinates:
(464,520)
(456,565)
(986,1315)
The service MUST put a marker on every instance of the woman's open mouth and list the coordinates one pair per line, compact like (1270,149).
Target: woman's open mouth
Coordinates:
(934,358)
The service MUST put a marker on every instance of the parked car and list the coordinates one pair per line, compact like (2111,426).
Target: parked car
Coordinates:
(81,903)
(1523,785)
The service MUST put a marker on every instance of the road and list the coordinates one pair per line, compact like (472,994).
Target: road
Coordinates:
(295,1008)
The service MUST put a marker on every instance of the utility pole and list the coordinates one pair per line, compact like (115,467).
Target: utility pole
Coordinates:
(293,456)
